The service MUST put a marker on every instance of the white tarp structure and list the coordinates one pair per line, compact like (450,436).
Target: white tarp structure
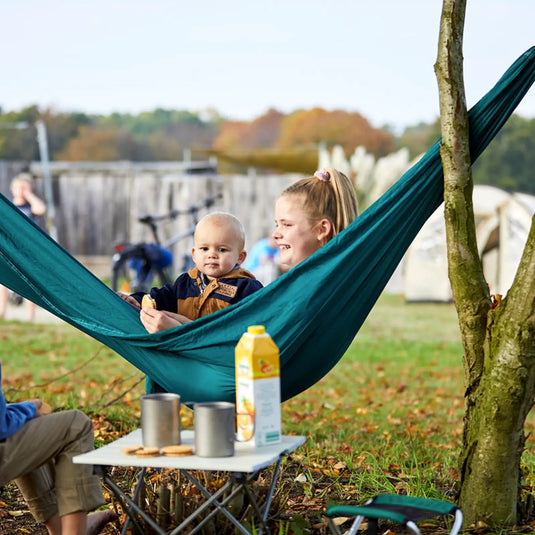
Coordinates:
(502,221)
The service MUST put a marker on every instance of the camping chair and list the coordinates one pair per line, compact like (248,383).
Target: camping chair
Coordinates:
(405,510)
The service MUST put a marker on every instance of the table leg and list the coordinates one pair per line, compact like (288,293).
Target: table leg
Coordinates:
(120,495)
(220,506)
(212,501)
(133,506)
(138,488)
(263,515)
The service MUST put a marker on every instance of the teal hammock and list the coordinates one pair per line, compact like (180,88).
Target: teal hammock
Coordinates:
(313,312)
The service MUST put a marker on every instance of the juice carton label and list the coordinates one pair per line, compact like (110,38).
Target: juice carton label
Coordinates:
(258,390)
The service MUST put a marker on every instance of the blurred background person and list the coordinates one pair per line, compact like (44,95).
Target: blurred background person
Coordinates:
(24,198)
(263,260)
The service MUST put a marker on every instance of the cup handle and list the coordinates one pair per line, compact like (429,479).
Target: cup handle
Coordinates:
(250,425)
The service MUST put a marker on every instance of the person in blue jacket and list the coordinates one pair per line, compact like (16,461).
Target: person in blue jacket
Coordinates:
(263,260)
(36,451)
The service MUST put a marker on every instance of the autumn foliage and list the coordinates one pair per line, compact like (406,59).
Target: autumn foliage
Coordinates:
(101,145)
(290,142)
(349,130)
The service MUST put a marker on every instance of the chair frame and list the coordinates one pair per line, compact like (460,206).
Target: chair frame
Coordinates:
(375,511)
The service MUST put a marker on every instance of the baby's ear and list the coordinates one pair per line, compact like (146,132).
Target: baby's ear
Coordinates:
(242,257)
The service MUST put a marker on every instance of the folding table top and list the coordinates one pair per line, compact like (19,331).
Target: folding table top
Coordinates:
(246,459)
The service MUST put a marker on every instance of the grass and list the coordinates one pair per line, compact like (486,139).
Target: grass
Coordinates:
(389,415)
(387,418)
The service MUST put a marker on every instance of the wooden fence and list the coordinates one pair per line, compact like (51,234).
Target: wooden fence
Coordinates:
(98,204)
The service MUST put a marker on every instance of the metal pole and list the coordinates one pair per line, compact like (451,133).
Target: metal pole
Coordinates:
(49,196)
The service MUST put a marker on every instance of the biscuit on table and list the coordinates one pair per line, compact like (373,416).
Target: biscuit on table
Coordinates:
(148,452)
(148,302)
(130,450)
(177,450)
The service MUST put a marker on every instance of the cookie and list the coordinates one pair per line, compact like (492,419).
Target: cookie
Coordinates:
(178,450)
(148,452)
(45,408)
(148,302)
(130,450)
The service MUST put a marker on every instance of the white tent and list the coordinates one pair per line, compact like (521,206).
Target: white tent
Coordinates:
(502,225)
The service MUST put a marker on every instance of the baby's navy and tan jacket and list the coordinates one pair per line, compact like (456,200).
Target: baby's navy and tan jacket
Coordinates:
(194,295)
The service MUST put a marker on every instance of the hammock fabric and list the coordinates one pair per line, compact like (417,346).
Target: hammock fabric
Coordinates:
(312,312)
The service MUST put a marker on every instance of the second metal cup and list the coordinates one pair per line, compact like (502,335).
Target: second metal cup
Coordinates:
(215,428)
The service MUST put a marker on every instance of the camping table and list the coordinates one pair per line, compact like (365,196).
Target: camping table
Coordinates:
(243,467)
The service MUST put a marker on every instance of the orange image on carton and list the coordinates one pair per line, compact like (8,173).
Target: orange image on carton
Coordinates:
(245,422)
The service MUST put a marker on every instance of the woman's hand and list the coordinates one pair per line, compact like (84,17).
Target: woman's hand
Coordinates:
(160,320)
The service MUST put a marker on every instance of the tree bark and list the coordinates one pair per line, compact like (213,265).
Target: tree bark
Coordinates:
(498,345)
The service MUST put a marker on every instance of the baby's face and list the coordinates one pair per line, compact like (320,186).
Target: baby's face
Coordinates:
(216,248)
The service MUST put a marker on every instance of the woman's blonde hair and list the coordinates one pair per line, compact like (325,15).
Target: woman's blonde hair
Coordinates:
(328,194)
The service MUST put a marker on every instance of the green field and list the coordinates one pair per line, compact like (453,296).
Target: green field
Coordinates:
(387,418)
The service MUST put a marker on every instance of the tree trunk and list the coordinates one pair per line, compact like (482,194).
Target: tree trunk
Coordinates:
(498,345)
(494,438)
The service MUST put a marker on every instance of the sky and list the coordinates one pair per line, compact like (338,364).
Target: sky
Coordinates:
(244,57)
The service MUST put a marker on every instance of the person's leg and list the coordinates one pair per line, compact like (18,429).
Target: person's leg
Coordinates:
(3,302)
(79,523)
(31,311)
(77,487)
(65,489)
(74,523)
(78,490)
(53,525)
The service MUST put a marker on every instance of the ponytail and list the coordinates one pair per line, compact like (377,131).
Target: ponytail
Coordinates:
(328,194)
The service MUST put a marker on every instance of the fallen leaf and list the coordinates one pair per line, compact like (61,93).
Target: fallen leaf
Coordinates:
(16,513)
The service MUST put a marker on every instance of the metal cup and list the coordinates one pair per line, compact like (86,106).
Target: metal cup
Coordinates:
(215,426)
(160,419)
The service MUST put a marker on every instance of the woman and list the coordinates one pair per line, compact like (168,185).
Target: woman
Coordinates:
(311,212)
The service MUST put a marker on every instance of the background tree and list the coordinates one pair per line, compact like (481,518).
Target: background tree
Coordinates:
(103,145)
(498,343)
(167,133)
(350,130)
(510,162)
(273,141)
(289,143)
(419,138)
(19,144)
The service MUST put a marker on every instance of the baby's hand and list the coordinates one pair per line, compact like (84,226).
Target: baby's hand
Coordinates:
(129,299)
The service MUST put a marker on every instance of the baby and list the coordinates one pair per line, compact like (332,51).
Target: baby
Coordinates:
(216,282)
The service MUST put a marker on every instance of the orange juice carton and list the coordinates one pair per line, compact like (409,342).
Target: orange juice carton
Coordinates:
(258,398)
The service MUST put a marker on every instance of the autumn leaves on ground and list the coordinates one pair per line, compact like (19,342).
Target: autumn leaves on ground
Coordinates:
(386,419)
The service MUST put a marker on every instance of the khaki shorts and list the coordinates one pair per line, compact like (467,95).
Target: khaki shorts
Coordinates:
(39,458)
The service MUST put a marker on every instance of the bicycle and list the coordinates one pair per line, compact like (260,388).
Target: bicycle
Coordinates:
(136,266)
